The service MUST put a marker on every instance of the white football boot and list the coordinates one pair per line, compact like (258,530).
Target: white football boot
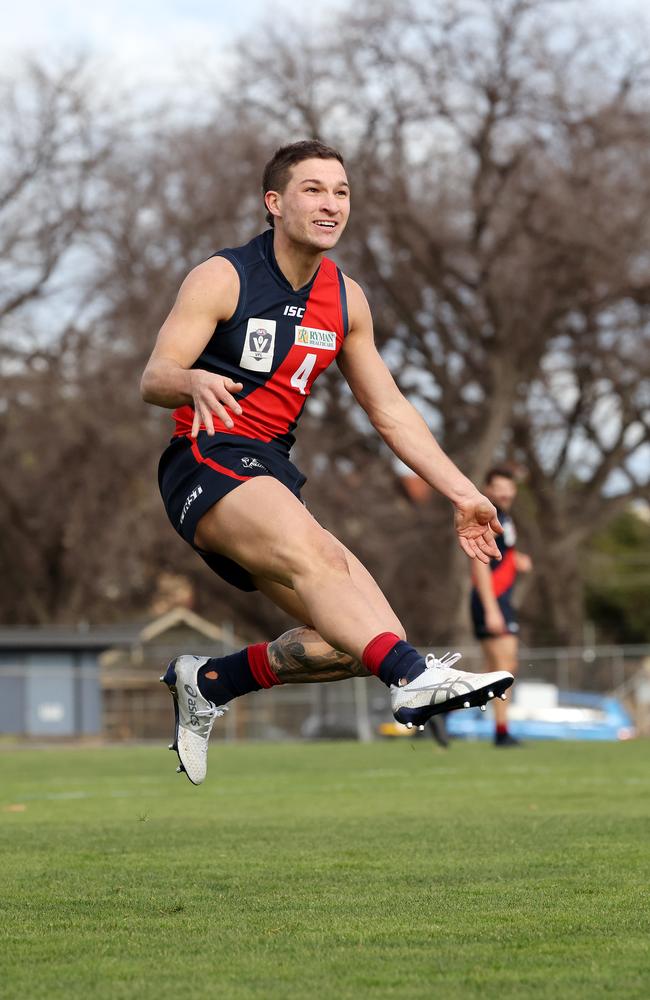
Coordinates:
(440,688)
(194,716)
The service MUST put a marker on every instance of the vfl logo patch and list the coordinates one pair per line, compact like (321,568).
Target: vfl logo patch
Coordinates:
(259,345)
(190,500)
(307,336)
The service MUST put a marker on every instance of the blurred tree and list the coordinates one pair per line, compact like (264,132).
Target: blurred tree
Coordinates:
(618,579)
(501,192)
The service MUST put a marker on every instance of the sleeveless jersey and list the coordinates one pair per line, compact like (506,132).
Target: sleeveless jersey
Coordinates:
(277,342)
(504,571)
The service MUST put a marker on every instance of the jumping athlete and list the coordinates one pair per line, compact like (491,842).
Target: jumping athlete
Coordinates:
(251,330)
(493,616)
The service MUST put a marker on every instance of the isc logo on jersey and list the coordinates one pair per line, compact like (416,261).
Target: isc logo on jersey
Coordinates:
(306,336)
(259,345)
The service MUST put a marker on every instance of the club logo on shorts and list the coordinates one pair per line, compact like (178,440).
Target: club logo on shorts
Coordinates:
(307,336)
(252,463)
(259,345)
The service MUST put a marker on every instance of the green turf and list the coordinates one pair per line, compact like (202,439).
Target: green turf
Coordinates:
(327,871)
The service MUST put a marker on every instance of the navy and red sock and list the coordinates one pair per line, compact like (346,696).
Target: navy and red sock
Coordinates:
(387,656)
(237,674)
(391,659)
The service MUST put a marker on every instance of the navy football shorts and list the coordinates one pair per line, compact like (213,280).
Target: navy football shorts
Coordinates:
(478,616)
(194,474)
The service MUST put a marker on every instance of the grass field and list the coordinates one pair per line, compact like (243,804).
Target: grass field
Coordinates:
(323,871)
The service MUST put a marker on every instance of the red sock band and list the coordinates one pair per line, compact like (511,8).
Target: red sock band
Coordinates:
(258,661)
(377,649)
(502,729)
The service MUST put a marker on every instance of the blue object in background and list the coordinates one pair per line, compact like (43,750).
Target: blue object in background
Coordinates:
(577,715)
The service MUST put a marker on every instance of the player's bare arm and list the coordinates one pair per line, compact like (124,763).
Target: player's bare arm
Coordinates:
(523,562)
(407,435)
(208,296)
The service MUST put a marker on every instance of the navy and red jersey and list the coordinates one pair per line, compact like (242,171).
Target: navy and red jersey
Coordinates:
(277,342)
(504,571)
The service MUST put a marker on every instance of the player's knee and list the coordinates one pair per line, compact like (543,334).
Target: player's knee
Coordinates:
(322,555)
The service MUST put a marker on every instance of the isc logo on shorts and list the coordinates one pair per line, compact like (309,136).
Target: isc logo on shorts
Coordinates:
(259,345)
(189,501)
(307,336)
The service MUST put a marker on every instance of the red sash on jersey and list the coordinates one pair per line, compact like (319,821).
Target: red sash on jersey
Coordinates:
(272,409)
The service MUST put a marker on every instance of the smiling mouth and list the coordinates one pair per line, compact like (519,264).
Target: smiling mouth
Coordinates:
(325,224)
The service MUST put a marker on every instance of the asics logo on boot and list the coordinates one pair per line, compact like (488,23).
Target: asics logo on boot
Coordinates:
(191,704)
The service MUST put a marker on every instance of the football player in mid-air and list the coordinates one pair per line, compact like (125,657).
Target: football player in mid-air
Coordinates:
(250,331)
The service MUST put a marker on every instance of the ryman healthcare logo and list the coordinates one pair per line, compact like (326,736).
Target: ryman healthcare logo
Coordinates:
(307,336)
(259,345)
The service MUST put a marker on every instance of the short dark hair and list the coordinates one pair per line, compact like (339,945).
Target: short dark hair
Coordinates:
(499,470)
(276,171)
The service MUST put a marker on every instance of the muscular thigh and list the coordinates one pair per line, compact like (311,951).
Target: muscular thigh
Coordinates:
(262,526)
(287,599)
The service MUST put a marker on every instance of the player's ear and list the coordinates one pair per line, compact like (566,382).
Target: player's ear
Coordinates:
(272,200)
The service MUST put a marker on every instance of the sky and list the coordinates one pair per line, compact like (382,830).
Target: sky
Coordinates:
(148,38)
(141,41)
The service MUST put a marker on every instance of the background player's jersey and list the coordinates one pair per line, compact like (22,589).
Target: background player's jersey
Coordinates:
(504,571)
(277,342)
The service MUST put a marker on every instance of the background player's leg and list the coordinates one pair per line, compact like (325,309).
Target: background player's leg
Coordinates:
(501,653)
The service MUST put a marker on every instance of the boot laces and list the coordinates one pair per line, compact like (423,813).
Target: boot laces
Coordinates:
(445,662)
(210,714)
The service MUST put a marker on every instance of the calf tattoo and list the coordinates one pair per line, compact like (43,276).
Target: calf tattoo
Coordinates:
(302,657)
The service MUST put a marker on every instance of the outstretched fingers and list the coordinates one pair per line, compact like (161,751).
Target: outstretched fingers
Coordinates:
(482,547)
(213,398)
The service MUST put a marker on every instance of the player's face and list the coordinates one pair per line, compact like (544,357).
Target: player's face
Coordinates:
(315,205)
(501,492)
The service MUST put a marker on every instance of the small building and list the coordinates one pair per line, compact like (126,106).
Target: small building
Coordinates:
(60,681)
(135,704)
(49,679)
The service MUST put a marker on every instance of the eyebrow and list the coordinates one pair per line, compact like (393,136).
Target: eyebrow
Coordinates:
(314,180)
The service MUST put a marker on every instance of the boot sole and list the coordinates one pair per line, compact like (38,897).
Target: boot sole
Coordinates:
(477,699)
(169,678)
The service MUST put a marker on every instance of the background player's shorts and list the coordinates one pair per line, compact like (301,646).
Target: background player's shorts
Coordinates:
(193,475)
(478,616)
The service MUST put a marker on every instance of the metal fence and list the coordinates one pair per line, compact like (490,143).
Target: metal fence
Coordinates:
(131,704)
(356,708)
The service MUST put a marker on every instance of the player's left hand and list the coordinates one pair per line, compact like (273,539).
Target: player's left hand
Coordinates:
(476,524)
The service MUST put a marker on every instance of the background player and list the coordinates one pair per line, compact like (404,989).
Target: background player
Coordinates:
(493,615)
(251,329)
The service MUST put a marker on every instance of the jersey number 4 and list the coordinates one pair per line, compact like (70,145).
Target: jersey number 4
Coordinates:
(300,377)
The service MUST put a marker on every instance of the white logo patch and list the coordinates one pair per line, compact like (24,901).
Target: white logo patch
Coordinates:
(189,501)
(252,463)
(259,345)
(309,337)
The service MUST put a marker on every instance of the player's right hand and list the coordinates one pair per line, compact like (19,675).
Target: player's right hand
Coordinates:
(212,395)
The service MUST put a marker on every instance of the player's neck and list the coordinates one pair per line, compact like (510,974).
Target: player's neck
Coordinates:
(297,263)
